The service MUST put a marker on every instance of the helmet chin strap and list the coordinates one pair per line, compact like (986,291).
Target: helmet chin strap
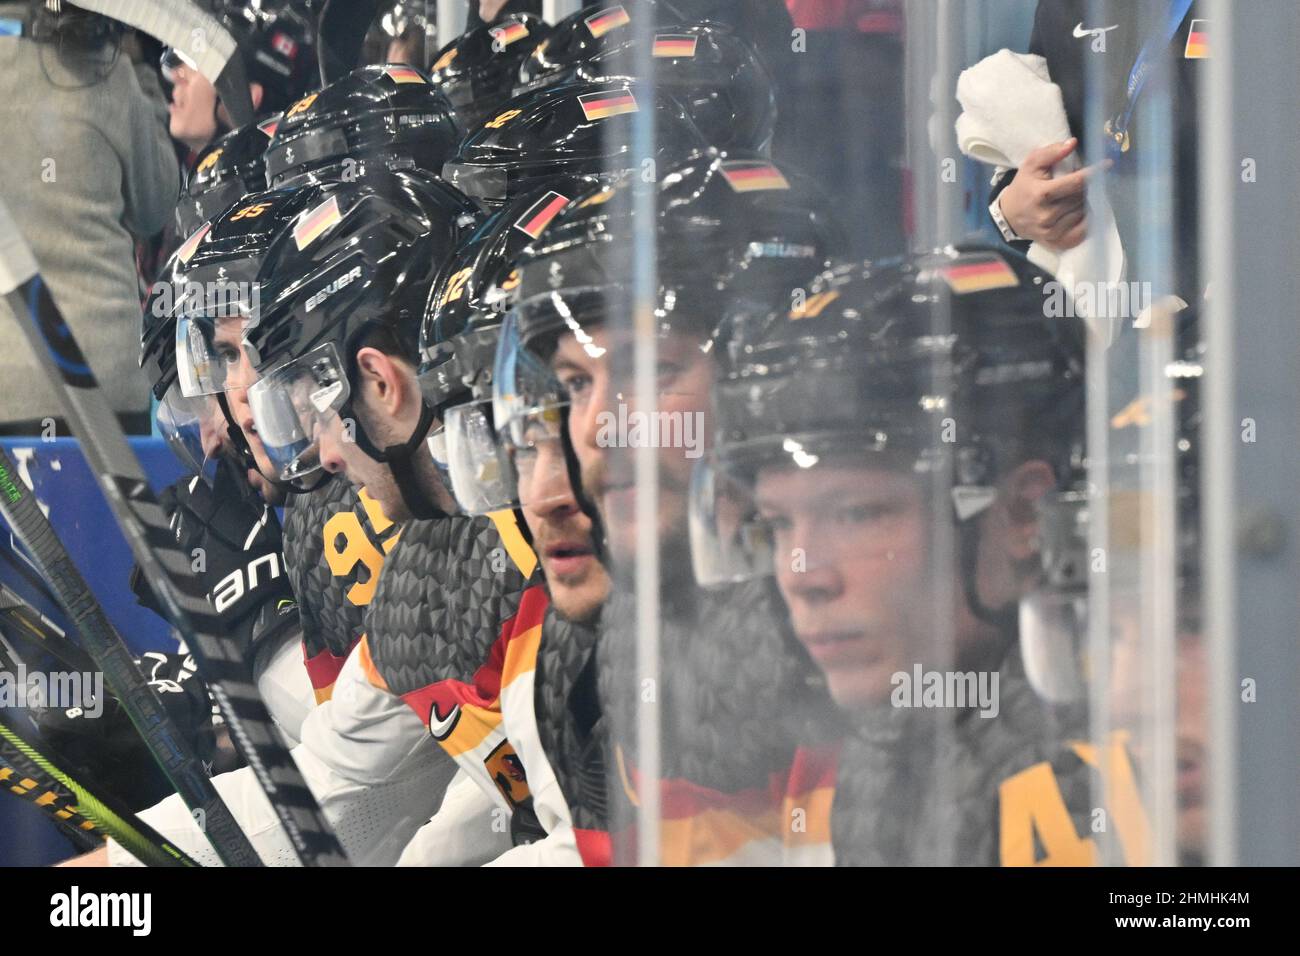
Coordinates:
(585,504)
(1006,619)
(400,460)
(236,436)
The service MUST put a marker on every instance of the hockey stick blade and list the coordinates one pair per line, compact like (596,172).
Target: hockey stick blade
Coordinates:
(164,564)
(37,777)
(41,776)
(111,655)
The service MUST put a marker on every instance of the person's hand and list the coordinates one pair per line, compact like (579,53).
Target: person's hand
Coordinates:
(488,9)
(1046,208)
(93,858)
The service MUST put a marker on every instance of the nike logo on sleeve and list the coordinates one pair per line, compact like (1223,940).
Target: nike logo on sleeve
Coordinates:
(1080,32)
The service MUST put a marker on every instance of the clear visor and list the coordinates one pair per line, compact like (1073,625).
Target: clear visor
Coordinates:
(296,410)
(536,452)
(189,426)
(802,501)
(730,542)
(479,470)
(1053,617)
(522,380)
(209,349)
(437,445)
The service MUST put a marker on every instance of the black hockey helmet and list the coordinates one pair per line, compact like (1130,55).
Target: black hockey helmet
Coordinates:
(860,367)
(227,170)
(388,116)
(731,233)
(476,71)
(353,268)
(575,129)
(408,21)
(459,335)
(713,72)
(716,74)
(586,34)
(212,275)
(731,228)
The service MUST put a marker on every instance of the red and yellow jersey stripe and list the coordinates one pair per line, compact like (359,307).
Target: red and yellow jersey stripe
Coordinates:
(786,822)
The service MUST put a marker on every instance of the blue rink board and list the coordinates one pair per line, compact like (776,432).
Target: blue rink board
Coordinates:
(58,473)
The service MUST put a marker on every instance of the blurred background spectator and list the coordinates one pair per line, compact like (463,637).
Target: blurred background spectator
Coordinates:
(402,32)
(93,152)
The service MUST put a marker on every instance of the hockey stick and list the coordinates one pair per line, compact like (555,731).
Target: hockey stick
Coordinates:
(42,776)
(340,33)
(29,769)
(106,647)
(30,626)
(57,803)
(23,577)
(165,565)
(78,811)
(196,34)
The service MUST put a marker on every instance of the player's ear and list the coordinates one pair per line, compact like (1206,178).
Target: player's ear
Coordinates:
(255,93)
(378,380)
(1022,490)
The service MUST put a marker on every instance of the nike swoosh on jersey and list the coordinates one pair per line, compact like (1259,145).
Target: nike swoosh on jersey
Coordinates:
(441,727)
(1080,32)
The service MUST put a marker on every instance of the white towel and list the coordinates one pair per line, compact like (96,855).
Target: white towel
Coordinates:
(1011,107)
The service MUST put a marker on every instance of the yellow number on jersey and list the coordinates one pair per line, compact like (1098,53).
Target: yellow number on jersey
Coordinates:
(358,547)
(506,770)
(1121,796)
(1031,802)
